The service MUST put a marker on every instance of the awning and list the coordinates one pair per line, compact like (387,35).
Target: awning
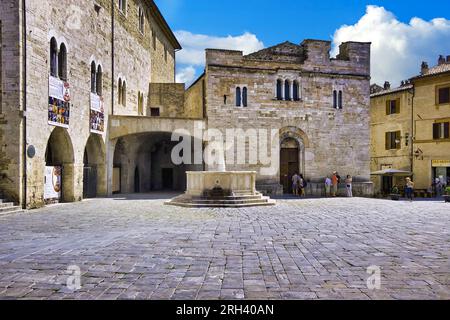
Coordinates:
(392,173)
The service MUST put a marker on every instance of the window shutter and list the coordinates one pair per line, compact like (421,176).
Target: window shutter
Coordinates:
(436,131)
(397,105)
(388,107)
(398,137)
(446,130)
(388,140)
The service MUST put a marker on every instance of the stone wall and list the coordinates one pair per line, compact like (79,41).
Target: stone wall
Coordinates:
(333,139)
(11,101)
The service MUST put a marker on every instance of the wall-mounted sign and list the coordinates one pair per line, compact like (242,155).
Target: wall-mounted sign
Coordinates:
(97,118)
(440,163)
(52,186)
(58,103)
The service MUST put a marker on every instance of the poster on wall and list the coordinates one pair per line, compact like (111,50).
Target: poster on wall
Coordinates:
(58,103)
(52,187)
(97,119)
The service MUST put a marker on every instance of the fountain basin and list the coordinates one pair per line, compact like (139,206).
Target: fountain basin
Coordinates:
(221,189)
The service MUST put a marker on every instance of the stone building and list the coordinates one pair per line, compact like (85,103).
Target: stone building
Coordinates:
(318,105)
(410,129)
(88,99)
(391,134)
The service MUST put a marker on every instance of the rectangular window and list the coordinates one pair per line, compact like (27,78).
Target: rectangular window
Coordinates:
(444,95)
(154,39)
(393,140)
(154,112)
(441,131)
(392,107)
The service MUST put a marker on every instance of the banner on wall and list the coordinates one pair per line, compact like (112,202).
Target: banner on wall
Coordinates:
(53,183)
(97,119)
(58,103)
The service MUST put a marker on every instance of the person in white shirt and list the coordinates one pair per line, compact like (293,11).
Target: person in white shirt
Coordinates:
(328,184)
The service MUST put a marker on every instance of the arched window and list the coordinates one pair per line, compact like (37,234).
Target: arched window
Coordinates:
(93,77)
(123,6)
(340,100)
(124,93)
(238,97)
(99,80)
(244,96)
(120,91)
(296,91)
(141,19)
(279,89)
(62,62)
(53,57)
(287,90)
(335,99)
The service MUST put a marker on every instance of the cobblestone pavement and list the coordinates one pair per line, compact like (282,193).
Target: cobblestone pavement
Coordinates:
(137,248)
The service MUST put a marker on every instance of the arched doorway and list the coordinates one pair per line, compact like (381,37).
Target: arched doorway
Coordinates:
(59,168)
(293,143)
(94,175)
(289,163)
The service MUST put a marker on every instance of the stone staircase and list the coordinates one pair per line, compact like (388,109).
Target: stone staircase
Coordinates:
(8,208)
(235,200)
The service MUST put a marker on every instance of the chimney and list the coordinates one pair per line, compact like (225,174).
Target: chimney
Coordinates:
(424,68)
(441,60)
(387,85)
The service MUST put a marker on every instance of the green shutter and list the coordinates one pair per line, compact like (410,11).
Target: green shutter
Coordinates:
(388,140)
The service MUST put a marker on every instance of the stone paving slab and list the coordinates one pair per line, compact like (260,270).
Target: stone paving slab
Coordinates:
(137,248)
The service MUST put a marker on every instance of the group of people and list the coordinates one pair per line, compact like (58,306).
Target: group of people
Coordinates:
(299,185)
(332,185)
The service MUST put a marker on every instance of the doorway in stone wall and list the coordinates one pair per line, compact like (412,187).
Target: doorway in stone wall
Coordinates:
(289,163)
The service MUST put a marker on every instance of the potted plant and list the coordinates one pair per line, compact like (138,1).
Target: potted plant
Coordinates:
(447,194)
(395,194)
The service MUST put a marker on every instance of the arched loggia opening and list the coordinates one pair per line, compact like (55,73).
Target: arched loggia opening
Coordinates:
(59,171)
(94,172)
(143,163)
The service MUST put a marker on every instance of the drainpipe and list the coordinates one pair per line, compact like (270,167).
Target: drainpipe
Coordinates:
(112,55)
(24,104)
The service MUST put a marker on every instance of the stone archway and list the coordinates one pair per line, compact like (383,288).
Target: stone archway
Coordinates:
(59,154)
(94,172)
(293,142)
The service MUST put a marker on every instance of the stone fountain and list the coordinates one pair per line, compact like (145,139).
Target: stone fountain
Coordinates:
(221,189)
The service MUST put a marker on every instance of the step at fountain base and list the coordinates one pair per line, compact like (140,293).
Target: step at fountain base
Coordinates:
(231,201)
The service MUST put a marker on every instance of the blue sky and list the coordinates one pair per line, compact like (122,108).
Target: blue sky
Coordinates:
(250,25)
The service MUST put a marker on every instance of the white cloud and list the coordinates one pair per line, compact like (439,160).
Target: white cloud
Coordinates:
(186,75)
(397,48)
(194,45)
(191,59)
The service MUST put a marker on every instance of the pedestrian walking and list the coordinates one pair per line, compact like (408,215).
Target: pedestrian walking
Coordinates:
(302,185)
(349,185)
(328,184)
(409,190)
(295,184)
(334,184)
